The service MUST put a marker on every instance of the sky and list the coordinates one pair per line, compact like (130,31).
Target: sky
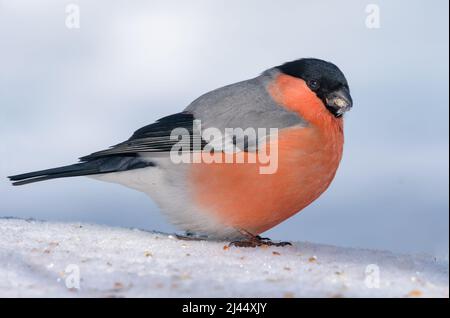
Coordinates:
(67,92)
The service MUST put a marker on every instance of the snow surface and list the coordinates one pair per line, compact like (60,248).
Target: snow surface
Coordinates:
(42,259)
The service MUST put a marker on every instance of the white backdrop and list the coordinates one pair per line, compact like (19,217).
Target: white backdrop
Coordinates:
(68,92)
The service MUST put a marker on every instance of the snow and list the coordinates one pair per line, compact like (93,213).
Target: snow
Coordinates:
(45,259)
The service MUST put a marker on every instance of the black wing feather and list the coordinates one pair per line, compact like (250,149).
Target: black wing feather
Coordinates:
(153,138)
(122,157)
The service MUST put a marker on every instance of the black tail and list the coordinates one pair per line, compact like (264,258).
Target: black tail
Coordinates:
(96,166)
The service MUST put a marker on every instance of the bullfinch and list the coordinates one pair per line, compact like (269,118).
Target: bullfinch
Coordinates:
(239,159)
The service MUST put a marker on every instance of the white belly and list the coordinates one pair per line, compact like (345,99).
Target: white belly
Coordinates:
(167,185)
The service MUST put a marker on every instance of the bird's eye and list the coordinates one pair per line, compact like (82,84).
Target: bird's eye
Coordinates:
(314,84)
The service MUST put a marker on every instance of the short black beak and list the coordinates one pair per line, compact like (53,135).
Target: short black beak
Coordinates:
(339,101)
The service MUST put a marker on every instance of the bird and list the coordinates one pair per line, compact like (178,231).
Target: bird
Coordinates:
(298,106)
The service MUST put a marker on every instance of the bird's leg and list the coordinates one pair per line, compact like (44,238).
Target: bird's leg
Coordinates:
(255,240)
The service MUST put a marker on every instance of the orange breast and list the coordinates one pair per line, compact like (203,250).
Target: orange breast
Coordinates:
(240,196)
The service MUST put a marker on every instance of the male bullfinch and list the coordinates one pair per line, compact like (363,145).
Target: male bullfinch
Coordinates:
(298,106)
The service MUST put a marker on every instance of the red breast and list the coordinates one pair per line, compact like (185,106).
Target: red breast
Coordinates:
(240,196)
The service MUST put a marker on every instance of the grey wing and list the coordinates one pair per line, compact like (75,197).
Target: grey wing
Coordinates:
(246,104)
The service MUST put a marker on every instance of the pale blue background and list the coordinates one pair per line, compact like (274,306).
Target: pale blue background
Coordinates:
(66,93)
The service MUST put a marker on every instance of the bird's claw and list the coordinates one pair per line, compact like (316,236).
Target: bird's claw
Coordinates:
(256,241)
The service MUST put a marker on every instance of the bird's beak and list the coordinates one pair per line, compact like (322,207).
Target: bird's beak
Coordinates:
(339,101)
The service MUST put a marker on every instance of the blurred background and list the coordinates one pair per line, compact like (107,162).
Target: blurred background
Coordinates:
(66,92)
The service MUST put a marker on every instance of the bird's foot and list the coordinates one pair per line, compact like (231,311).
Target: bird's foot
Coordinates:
(255,241)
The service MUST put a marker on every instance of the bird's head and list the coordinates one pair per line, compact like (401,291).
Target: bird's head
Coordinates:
(324,79)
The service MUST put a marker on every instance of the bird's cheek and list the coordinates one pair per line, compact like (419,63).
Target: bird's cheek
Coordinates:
(295,95)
